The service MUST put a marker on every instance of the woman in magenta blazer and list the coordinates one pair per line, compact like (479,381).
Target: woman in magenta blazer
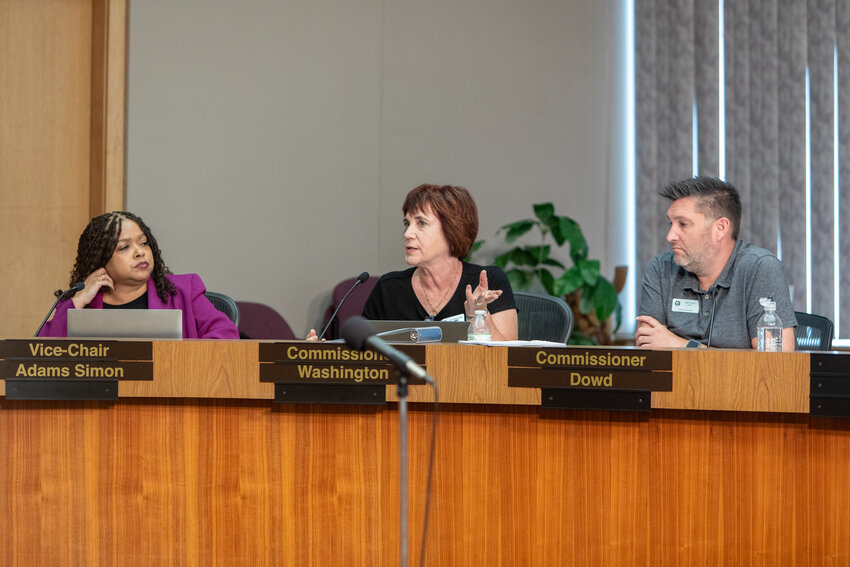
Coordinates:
(121,264)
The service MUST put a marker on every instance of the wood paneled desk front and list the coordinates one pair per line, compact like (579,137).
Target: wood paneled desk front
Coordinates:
(200,467)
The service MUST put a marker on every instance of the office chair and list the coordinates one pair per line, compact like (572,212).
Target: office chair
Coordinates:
(543,317)
(259,321)
(813,332)
(224,304)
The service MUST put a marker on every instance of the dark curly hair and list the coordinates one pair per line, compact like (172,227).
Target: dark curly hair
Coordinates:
(97,244)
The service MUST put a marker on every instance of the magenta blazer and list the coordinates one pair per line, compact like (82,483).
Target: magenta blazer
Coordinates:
(201,320)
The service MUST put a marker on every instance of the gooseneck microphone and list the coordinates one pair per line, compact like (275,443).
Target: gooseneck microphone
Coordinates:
(360,335)
(59,297)
(711,322)
(360,279)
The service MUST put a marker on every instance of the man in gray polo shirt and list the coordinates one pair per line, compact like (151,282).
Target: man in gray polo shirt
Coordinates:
(706,291)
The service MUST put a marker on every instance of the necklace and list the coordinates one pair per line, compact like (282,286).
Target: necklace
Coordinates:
(432,311)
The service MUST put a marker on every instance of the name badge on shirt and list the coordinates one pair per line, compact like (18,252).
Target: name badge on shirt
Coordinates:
(685,305)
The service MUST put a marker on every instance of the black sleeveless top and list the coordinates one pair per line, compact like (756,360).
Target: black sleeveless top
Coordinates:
(140,302)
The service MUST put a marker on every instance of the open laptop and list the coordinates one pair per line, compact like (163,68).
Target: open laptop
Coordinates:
(453,331)
(125,323)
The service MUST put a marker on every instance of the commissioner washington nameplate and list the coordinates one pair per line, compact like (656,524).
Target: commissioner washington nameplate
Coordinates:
(75,359)
(590,368)
(324,363)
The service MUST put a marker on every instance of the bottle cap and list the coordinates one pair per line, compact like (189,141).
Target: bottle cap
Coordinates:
(480,311)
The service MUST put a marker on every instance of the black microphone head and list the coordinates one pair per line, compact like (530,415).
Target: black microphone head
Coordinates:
(363,277)
(78,286)
(355,330)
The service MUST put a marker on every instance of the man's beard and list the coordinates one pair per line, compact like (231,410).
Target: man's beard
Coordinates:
(693,262)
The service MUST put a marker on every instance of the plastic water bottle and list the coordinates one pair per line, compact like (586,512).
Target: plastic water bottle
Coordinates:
(769,328)
(479,328)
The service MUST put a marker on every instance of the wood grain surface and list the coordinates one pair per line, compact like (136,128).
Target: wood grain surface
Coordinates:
(61,142)
(702,380)
(192,482)
(199,467)
(738,380)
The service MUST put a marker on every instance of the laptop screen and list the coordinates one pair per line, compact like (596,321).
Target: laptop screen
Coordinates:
(125,323)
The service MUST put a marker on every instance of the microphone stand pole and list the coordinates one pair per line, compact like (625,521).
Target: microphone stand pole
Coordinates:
(402,426)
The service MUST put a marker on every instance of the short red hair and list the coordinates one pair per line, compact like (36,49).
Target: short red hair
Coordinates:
(455,208)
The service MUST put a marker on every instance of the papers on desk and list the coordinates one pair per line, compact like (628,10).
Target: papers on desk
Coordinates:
(514,343)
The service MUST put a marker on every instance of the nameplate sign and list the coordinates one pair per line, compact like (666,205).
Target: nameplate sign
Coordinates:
(77,360)
(324,363)
(590,368)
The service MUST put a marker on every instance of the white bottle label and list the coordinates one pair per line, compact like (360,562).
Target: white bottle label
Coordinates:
(770,339)
(479,337)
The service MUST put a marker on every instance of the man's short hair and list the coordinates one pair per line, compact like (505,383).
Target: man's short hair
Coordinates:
(715,198)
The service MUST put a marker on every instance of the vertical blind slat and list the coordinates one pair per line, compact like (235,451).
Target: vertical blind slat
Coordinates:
(768,46)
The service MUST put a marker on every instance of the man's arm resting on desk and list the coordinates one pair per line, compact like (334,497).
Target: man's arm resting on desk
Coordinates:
(652,334)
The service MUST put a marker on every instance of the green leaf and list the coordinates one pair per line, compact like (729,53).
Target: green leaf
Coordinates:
(475,246)
(545,212)
(570,281)
(578,250)
(517,229)
(547,280)
(501,260)
(524,257)
(618,316)
(540,253)
(585,304)
(589,271)
(565,229)
(519,256)
(553,262)
(604,299)
(520,279)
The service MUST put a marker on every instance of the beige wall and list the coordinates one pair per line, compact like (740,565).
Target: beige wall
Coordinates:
(61,103)
(270,144)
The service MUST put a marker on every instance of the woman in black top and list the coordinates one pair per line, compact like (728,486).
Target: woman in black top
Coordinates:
(440,225)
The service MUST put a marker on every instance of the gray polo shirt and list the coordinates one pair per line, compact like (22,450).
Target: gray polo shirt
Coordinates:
(672,295)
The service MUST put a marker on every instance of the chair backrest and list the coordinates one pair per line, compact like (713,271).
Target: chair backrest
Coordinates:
(543,317)
(259,321)
(224,304)
(353,305)
(813,332)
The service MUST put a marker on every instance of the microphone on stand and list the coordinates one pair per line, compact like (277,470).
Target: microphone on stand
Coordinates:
(59,297)
(360,335)
(711,322)
(360,279)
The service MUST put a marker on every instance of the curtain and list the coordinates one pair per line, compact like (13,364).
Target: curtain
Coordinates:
(777,54)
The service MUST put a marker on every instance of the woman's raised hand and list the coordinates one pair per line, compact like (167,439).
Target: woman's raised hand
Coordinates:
(94,282)
(480,297)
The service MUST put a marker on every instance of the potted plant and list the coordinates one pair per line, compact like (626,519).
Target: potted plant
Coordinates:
(592,297)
